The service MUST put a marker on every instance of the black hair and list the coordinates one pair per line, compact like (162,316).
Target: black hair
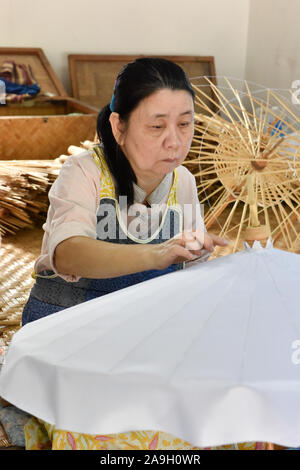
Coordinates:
(136,81)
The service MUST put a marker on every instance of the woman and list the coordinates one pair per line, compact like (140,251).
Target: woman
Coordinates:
(125,212)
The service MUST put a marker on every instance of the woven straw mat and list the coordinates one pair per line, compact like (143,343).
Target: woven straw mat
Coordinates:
(17,256)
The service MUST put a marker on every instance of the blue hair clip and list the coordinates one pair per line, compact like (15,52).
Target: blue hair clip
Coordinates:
(112,103)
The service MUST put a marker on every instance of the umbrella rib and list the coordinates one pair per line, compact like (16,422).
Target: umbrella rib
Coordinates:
(285,304)
(214,210)
(267,219)
(205,197)
(284,230)
(218,200)
(152,332)
(226,111)
(283,211)
(246,220)
(252,105)
(205,184)
(207,320)
(240,227)
(288,216)
(88,321)
(245,342)
(229,218)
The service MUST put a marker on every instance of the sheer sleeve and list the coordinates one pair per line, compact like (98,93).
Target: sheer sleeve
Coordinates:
(73,205)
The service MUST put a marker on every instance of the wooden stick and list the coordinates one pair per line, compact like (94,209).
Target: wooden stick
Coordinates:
(282,223)
(245,116)
(222,98)
(213,217)
(9,322)
(229,218)
(252,201)
(240,227)
(221,197)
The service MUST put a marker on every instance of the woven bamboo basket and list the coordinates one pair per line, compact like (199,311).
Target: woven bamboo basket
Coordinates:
(42,127)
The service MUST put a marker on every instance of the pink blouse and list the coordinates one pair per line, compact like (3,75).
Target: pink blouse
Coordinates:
(74,201)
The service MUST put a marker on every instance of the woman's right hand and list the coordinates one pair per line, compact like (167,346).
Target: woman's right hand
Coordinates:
(183,247)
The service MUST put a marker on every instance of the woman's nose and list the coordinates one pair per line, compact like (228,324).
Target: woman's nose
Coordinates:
(172,138)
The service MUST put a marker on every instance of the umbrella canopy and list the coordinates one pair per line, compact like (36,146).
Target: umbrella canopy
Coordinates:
(206,353)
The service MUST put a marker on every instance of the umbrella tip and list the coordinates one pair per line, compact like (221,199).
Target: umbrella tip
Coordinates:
(258,246)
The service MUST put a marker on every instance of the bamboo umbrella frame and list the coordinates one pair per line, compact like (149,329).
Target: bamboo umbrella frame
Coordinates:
(245,163)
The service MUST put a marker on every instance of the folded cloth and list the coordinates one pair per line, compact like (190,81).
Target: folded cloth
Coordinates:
(17,73)
(13,421)
(17,89)
(16,76)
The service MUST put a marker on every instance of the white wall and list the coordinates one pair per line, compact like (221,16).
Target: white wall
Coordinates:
(177,27)
(273,53)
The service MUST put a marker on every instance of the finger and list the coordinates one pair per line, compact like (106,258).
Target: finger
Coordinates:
(203,255)
(176,241)
(200,236)
(197,241)
(200,253)
(185,237)
(194,240)
(208,242)
(219,241)
(183,254)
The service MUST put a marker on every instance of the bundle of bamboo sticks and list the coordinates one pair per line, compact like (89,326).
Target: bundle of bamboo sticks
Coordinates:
(24,186)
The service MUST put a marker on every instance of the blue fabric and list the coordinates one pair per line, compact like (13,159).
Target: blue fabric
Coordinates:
(99,287)
(50,295)
(36,308)
(13,420)
(278,126)
(17,89)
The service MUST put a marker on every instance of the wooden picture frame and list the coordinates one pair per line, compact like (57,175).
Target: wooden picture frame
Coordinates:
(93,76)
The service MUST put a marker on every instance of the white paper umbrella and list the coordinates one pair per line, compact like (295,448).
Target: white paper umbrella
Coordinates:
(208,354)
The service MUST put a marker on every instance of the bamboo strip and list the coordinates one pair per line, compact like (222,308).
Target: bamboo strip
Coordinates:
(9,322)
(283,225)
(240,227)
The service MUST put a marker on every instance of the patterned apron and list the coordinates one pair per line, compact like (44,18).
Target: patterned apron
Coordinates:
(51,293)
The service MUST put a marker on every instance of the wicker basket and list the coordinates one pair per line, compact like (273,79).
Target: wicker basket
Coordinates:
(45,126)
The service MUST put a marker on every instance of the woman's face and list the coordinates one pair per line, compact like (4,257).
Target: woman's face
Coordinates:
(159,133)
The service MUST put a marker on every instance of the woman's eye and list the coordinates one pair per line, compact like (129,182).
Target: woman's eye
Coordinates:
(157,127)
(185,124)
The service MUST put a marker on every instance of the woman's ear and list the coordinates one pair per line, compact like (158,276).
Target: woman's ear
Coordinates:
(117,127)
